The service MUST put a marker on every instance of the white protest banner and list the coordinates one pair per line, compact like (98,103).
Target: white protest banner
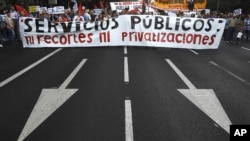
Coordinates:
(126,30)
(119,6)
(56,10)
(97,11)
(237,12)
(59,9)
(42,8)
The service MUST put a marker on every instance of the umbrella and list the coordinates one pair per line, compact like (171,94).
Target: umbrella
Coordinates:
(20,8)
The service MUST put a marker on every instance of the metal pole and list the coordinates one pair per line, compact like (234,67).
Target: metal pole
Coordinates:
(218,6)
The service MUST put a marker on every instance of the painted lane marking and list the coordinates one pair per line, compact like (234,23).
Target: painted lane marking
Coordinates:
(245,48)
(196,53)
(205,99)
(126,71)
(125,50)
(128,121)
(48,102)
(13,77)
(228,72)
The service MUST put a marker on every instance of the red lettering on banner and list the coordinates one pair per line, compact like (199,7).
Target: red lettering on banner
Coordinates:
(29,40)
(163,37)
(147,36)
(104,36)
(124,34)
(212,39)
(82,37)
(53,39)
(140,36)
(177,38)
(189,38)
(170,37)
(47,39)
(66,39)
(205,40)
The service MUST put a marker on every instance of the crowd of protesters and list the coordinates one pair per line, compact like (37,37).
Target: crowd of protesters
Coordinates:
(9,26)
(237,27)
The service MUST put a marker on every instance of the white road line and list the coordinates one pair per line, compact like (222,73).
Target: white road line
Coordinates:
(196,53)
(126,74)
(125,50)
(128,121)
(245,48)
(72,75)
(229,72)
(8,80)
(181,75)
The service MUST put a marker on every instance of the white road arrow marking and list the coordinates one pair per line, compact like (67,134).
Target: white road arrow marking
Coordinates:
(8,80)
(204,99)
(48,102)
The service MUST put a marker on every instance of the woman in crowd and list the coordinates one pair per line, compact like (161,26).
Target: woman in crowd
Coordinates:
(78,16)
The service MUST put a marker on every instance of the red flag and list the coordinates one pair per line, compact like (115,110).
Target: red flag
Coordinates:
(107,6)
(101,5)
(80,8)
(20,8)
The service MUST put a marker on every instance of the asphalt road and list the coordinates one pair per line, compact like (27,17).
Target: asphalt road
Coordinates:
(123,93)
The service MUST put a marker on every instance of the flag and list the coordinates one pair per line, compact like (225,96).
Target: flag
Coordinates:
(107,6)
(80,8)
(75,7)
(101,5)
(20,8)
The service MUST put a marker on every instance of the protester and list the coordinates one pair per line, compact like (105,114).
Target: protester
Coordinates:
(247,27)
(100,17)
(226,27)
(87,16)
(15,17)
(66,16)
(78,17)
(239,28)
(44,15)
(231,27)
(10,27)
(2,26)
(92,15)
